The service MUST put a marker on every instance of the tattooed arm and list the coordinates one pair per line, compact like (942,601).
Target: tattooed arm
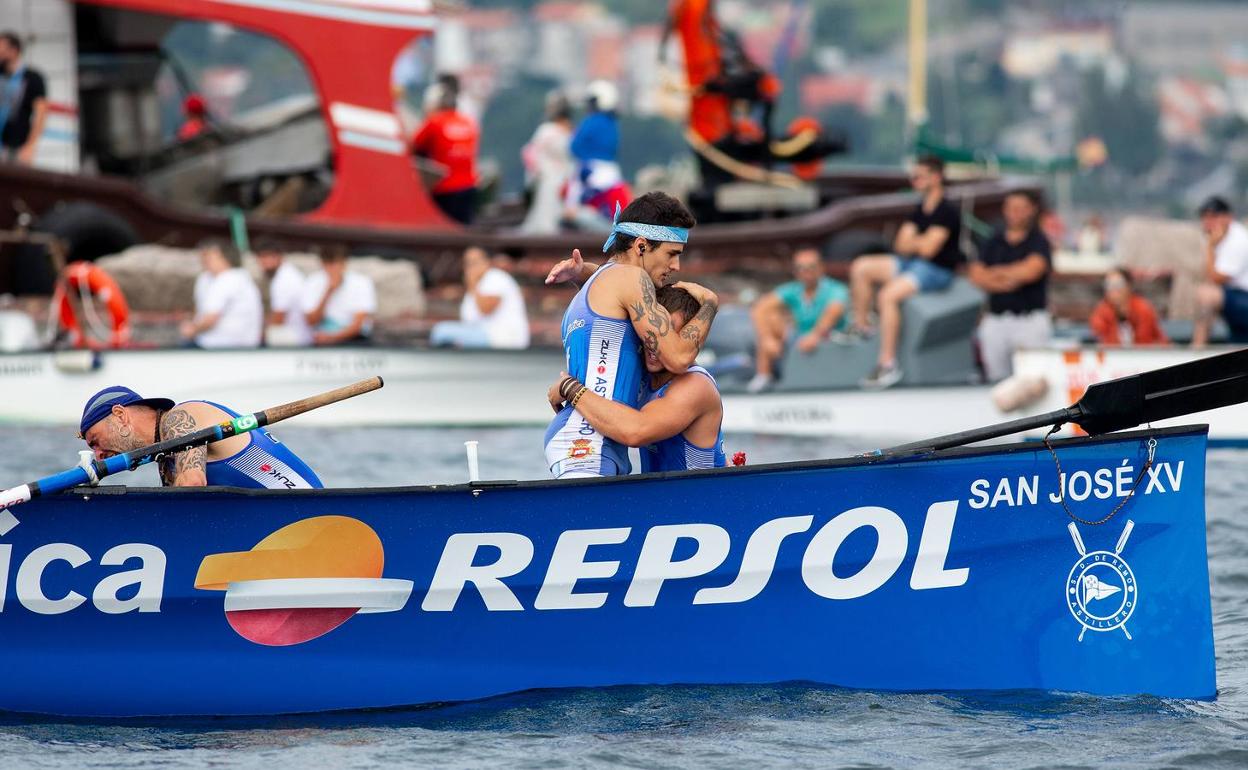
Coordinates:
(654,325)
(187,468)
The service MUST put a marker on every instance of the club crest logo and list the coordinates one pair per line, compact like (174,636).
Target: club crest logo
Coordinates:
(1101,589)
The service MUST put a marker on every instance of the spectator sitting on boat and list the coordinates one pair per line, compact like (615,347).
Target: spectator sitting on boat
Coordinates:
(615,315)
(808,309)
(1013,268)
(1225,291)
(228,310)
(23,103)
(1123,317)
(118,420)
(285,324)
(492,313)
(450,138)
(338,303)
(925,256)
(678,424)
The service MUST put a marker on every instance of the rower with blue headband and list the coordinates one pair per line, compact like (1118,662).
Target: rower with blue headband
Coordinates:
(612,318)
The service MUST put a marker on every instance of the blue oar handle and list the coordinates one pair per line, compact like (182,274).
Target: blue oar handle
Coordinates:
(128,461)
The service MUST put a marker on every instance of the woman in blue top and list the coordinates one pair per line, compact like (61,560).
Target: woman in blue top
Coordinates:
(612,318)
(118,420)
(678,426)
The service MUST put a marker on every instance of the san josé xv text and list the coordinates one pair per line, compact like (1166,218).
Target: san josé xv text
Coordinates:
(1101,483)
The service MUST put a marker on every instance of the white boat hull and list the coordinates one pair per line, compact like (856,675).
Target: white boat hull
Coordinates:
(502,388)
(422,387)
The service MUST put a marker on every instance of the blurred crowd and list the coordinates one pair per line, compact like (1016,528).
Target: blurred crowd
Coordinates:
(1011,267)
(333,306)
(573,173)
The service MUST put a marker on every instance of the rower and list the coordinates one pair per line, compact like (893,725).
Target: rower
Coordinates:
(612,317)
(679,426)
(118,420)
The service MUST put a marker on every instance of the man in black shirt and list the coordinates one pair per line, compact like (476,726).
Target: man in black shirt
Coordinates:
(1013,268)
(925,256)
(23,103)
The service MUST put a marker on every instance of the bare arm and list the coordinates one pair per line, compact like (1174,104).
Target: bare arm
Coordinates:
(686,400)
(574,269)
(487,303)
(318,313)
(1211,272)
(26,153)
(1003,278)
(930,242)
(187,468)
(348,332)
(654,324)
(828,319)
(200,325)
(905,242)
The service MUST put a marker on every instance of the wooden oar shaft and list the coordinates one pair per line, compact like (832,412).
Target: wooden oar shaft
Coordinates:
(286,411)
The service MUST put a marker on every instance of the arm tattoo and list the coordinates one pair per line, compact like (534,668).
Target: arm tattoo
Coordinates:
(179,422)
(638,312)
(656,314)
(651,342)
(700,324)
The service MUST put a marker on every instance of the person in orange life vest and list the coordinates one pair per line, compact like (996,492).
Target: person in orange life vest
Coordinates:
(1124,317)
(450,138)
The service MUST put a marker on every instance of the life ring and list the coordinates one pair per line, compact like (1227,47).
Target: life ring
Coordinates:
(92,285)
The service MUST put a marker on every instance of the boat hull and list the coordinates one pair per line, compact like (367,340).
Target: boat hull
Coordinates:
(427,387)
(932,574)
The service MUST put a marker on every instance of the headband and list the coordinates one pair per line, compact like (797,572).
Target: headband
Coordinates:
(641,230)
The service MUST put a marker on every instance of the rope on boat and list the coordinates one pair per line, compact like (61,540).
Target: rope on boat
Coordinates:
(1152,450)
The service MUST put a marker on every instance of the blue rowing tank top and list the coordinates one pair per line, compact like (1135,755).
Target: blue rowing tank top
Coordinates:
(678,453)
(265,463)
(605,354)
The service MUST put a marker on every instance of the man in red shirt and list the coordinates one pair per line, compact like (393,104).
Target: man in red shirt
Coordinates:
(450,138)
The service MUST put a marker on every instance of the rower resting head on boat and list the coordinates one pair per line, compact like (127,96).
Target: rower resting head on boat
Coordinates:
(613,317)
(678,425)
(118,420)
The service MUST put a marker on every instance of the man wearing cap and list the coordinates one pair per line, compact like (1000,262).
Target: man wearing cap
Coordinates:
(1225,290)
(614,316)
(118,420)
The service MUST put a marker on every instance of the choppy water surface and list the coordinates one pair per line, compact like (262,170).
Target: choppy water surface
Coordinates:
(787,725)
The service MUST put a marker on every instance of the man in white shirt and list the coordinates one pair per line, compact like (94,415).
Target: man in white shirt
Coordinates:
(1225,290)
(285,323)
(228,311)
(338,304)
(492,313)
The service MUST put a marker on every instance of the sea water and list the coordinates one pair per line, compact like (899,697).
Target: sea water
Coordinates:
(785,725)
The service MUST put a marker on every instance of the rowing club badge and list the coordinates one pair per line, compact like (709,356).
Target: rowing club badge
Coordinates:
(1101,590)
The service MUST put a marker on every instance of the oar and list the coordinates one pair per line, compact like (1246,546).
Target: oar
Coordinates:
(98,469)
(1196,386)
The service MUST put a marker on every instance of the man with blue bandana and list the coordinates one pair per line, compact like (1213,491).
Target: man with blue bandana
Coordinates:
(678,427)
(118,420)
(612,318)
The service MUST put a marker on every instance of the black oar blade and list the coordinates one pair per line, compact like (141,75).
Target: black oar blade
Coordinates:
(1196,386)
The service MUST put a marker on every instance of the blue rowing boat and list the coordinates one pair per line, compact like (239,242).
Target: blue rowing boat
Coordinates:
(963,569)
